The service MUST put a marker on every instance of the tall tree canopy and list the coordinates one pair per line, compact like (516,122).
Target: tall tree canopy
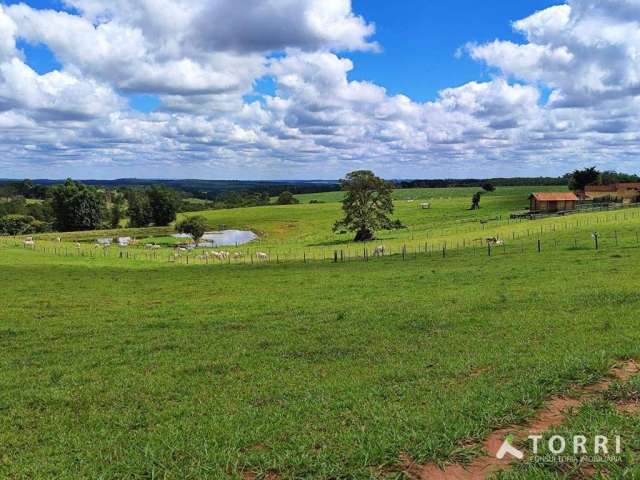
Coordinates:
(581,178)
(164,204)
(77,206)
(139,209)
(367,204)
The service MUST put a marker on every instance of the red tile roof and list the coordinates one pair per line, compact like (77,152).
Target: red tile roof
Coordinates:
(555,197)
(629,185)
(600,188)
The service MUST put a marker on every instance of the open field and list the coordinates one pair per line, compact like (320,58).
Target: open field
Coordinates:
(117,369)
(119,364)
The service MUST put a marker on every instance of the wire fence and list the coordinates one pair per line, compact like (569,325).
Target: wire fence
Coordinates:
(526,242)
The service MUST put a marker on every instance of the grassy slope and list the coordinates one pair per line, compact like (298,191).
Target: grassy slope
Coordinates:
(310,225)
(141,370)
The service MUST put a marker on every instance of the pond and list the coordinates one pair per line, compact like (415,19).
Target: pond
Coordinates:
(223,237)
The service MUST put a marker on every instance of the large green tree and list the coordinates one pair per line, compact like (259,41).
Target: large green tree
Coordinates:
(139,209)
(581,178)
(164,203)
(77,206)
(194,226)
(367,204)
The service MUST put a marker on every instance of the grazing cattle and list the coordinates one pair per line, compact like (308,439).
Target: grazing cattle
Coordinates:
(28,239)
(58,239)
(262,256)
(425,206)
(237,255)
(77,244)
(29,243)
(379,250)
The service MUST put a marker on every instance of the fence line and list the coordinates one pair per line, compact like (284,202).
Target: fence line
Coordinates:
(519,244)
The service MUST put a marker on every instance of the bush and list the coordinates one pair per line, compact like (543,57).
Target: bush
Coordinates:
(287,198)
(488,187)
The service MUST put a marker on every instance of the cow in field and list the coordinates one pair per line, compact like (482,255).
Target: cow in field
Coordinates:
(379,251)
(262,256)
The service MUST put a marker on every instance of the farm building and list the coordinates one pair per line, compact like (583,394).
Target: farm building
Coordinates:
(626,192)
(552,202)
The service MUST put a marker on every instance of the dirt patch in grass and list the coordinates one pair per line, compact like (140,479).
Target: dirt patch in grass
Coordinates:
(631,407)
(551,415)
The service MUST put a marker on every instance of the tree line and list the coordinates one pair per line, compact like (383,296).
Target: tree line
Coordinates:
(27,207)
(74,206)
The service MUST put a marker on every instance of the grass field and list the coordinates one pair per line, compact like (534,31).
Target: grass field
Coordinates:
(140,370)
(145,369)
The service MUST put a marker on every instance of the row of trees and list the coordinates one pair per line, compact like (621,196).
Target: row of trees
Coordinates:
(73,206)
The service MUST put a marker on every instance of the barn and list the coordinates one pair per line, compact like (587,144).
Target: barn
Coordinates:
(626,192)
(552,202)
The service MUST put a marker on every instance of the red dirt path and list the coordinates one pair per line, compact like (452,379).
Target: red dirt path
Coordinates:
(551,415)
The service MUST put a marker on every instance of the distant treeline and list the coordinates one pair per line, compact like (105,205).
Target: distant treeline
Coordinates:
(214,190)
(475,182)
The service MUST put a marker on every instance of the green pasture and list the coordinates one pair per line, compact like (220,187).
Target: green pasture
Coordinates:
(117,369)
(310,225)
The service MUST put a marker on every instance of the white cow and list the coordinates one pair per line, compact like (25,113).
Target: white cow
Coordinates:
(262,256)
(29,243)
(379,250)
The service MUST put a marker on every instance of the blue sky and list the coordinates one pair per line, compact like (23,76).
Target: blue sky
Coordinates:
(316,88)
(420,40)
